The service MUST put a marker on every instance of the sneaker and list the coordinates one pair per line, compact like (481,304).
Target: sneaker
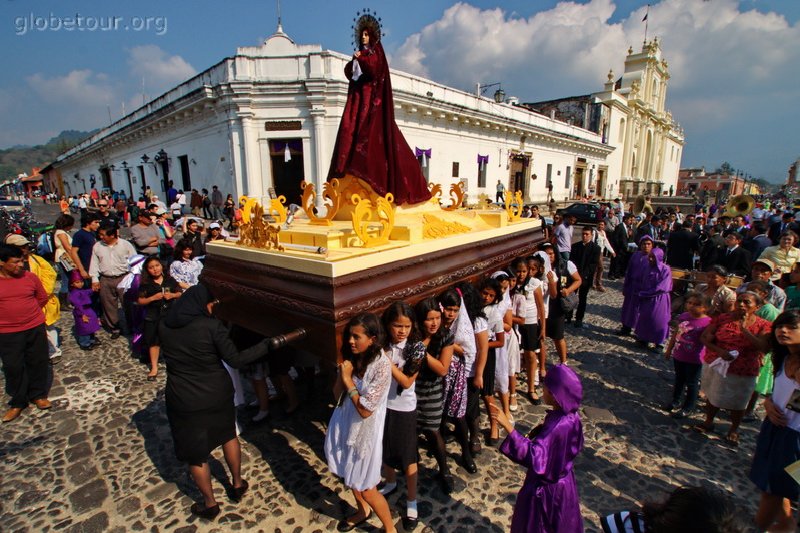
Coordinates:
(54,360)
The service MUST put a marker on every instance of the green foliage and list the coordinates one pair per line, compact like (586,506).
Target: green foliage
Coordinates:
(725,168)
(19,159)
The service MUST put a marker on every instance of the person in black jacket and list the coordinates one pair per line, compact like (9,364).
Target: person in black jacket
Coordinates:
(199,392)
(712,248)
(620,238)
(786,223)
(681,247)
(586,256)
(735,258)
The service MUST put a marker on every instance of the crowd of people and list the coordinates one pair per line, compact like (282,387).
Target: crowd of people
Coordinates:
(125,210)
(448,364)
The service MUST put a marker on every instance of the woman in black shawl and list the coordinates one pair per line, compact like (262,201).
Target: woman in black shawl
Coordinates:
(199,393)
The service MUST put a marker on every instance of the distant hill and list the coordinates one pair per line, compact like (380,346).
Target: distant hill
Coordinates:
(19,159)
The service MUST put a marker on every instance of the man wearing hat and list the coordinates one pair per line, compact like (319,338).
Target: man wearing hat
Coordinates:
(39,267)
(23,340)
(145,234)
(762,270)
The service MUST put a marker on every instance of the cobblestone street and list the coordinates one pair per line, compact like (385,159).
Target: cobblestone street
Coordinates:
(102,458)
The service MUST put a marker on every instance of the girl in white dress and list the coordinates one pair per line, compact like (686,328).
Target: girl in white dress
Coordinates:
(353,443)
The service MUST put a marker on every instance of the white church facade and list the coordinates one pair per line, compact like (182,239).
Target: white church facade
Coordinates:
(267,118)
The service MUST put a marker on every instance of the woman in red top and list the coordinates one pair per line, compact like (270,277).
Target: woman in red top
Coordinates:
(23,342)
(739,339)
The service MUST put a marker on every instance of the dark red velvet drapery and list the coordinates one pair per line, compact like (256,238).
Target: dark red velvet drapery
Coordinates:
(369,144)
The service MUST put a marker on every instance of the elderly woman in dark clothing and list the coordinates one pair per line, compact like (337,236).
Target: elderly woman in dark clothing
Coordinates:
(199,392)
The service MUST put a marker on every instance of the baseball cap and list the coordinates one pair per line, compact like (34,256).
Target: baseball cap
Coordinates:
(766,262)
(160,211)
(214,225)
(17,240)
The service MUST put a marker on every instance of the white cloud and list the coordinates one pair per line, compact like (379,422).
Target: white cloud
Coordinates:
(725,64)
(160,71)
(78,87)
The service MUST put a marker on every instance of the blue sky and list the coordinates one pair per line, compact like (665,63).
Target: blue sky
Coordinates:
(735,83)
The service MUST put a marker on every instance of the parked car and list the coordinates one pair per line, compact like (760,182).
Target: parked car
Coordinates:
(585,213)
(11,205)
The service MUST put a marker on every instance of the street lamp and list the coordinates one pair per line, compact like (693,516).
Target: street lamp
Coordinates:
(499,94)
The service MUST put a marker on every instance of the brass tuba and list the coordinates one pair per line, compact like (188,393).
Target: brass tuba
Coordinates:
(641,204)
(740,205)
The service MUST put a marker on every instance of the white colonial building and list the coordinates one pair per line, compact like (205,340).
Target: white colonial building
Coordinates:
(268,116)
(631,115)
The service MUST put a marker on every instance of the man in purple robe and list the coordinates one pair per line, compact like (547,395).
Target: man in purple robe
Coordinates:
(654,302)
(638,268)
(548,500)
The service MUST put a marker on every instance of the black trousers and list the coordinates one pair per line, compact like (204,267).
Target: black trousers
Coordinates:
(687,376)
(25,365)
(619,264)
(583,295)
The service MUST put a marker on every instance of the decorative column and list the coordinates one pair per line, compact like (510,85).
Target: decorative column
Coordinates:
(255,185)
(237,169)
(318,116)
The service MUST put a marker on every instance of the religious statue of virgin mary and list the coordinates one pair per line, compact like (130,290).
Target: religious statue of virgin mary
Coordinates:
(369,145)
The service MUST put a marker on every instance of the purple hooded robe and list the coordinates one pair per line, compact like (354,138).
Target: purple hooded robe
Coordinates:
(548,500)
(654,301)
(638,268)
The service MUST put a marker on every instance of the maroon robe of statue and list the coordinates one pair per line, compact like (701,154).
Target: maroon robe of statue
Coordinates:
(548,501)
(369,144)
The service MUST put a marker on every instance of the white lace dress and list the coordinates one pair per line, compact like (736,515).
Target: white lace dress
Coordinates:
(353,445)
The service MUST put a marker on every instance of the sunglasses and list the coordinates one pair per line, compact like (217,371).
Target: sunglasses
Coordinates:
(102,205)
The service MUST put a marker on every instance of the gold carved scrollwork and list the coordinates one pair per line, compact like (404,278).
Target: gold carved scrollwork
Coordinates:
(435,227)
(457,195)
(254,231)
(436,193)
(514,211)
(333,200)
(277,209)
(365,211)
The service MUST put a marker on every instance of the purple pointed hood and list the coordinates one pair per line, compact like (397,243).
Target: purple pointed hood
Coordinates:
(565,386)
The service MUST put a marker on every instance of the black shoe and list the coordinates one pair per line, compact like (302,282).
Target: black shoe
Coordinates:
(469,464)
(578,323)
(237,493)
(88,348)
(679,414)
(115,335)
(207,513)
(669,407)
(656,348)
(344,525)
(623,332)
(475,446)
(641,344)
(410,524)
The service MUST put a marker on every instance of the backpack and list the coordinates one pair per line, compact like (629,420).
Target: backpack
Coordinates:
(46,246)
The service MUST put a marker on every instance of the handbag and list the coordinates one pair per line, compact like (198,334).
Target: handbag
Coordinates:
(569,302)
(66,263)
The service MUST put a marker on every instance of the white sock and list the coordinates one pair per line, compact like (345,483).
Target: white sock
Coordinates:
(260,416)
(388,487)
(411,509)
